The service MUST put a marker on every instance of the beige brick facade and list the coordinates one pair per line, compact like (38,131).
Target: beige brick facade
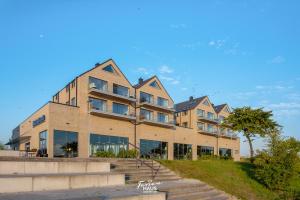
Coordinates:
(103,102)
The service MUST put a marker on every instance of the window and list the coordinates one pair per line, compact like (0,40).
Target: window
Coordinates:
(73,83)
(146,114)
(107,143)
(68,88)
(120,90)
(224,152)
(205,150)
(227,109)
(145,97)
(162,117)
(182,151)
(210,115)
(97,104)
(97,84)
(154,84)
(120,109)
(157,149)
(109,68)
(223,131)
(27,146)
(43,144)
(206,103)
(65,144)
(73,101)
(200,126)
(200,113)
(184,113)
(221,118)
(162,102)
(210,128)
(177,114)
(185,124)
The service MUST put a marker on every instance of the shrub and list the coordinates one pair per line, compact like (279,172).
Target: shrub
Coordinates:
(277,165)
(105,154)
(132,153)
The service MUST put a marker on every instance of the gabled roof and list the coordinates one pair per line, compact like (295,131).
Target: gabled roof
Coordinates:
(139,85)
(219,108)
(189,105)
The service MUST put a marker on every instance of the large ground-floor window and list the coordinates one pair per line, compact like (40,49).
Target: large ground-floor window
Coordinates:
(225,152)
(43,144)
(157,149)
(182,151)
(107,143)
(65,144)
(205,150)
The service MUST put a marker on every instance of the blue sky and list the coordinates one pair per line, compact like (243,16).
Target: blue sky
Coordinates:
(239,52)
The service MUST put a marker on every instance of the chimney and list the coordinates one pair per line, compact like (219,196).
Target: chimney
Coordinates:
(141,80)
(191,98)
(97,64)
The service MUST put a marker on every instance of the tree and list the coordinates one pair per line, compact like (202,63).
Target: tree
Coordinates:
(251,122)
(277,165)
(2,147)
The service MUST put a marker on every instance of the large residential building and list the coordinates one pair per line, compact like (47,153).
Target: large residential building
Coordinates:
(100,110)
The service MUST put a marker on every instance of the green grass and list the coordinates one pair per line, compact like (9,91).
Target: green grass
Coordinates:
(235,178)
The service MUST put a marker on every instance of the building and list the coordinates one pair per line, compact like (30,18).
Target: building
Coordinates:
(100,110)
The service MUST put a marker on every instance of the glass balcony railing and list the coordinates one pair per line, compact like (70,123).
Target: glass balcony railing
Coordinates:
(104,111)
(154,120)
(155,103)
(115,92)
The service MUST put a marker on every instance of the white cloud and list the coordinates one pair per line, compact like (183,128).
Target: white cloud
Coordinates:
(184,89)
(284,109)
(171,80)
(276,60)
(165,69)
(273,87)
(217,43)
(143,70)
(178,26)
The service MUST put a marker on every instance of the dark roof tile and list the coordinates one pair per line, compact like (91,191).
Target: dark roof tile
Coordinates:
(188,105)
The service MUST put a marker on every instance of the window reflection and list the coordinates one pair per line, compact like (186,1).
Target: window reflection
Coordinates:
(157,149)
(107,143)
(182,151)
(65,144)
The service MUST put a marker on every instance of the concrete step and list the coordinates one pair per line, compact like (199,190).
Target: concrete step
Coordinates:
(126,192)
(44,182)
(156,179)
(52,167)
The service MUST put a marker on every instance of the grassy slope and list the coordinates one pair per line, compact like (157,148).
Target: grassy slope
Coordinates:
(231,177)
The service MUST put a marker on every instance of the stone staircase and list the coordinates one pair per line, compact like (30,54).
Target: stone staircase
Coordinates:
(141,171)
(91,179)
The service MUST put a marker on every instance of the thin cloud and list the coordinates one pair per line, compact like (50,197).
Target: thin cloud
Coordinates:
(178,26)
(143,70)
(169,79)
(276,60)
(165,69)
(217,43)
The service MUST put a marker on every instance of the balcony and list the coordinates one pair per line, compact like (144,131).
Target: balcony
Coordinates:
(155,105)
(155,122)
(206,131)
(228,134)
(208,119)
(110,114)
(110,93)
